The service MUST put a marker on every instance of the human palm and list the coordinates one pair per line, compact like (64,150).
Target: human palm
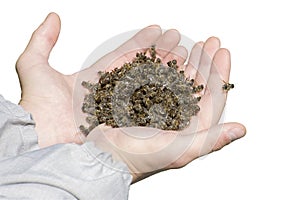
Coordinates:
(147,150)
(55,100)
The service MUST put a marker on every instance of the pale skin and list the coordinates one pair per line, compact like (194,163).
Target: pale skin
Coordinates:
(46,93)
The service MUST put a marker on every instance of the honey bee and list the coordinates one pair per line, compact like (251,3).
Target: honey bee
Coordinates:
(84,130)
(152,52)
(148,103)
(227,86)
(198,88)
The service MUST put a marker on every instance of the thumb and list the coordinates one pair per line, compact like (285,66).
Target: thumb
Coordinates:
(207,141)
(41,43)
(215,138)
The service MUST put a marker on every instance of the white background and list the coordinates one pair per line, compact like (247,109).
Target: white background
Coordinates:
(263,37)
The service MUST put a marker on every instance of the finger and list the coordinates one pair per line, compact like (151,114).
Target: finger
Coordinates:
(209,140)
(194,60)
(179,53)
(222,63)
(168,41)
(126,52)
(142,40)
(204,117)
(210,47)
(213,102)
(41,43)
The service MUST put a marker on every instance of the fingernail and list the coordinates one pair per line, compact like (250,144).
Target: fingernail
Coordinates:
(236,133)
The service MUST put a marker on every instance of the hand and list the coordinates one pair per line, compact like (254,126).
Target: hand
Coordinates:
(50,96)
(147,151)
(47,93)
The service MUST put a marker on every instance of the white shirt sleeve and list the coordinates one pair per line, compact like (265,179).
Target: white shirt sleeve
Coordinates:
(62,171)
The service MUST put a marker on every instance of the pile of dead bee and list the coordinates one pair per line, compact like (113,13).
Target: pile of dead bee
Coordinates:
(143,92)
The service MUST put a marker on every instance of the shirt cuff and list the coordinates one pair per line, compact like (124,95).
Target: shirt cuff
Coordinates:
(17,134)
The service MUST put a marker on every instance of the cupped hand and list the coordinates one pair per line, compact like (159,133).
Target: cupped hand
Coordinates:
(147,151)
(55,99)
(46,93)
